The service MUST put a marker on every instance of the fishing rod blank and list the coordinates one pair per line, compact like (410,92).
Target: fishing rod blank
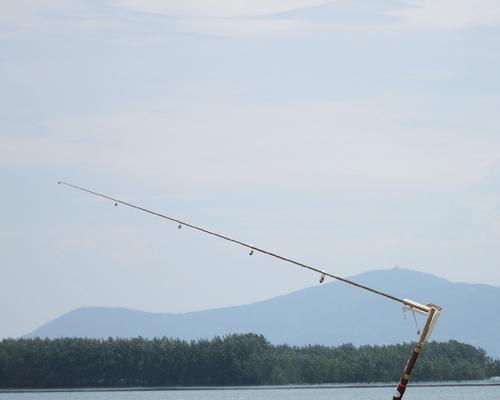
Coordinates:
(423,309)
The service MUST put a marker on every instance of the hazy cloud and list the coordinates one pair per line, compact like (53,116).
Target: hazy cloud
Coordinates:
(216,8)
(452,13)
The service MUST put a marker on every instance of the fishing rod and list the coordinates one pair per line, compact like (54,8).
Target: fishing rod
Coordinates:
(430,310)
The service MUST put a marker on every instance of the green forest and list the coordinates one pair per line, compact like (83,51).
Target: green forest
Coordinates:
(246,359)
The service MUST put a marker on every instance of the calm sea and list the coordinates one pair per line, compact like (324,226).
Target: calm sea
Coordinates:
(270,393)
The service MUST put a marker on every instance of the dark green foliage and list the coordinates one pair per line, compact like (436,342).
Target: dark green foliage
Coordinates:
(233,360)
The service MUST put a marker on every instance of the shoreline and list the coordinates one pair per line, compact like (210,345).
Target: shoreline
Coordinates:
(260,387)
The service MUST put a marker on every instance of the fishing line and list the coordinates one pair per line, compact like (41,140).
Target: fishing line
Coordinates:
(252,248)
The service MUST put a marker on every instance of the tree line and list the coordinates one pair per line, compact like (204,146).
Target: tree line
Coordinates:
(245,359)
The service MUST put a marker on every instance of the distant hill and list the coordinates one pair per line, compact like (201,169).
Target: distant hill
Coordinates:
(329,314)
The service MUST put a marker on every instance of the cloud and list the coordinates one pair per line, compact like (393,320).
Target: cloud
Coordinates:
(56,16)
(226,18)
(236,27)
(237,18)
(229,17)
(452,14)
(24,13)
(226,144)
(215,8)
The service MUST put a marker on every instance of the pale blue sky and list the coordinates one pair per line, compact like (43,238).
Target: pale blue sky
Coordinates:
(352,135)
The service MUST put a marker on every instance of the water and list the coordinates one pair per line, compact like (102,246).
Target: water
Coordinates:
(281,393)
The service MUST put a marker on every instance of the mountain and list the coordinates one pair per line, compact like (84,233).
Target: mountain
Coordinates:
(329,314)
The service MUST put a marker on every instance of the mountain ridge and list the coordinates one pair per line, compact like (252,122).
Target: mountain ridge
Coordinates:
(329,314)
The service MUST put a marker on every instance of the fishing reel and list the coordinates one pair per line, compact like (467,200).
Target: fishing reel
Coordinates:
(322,277)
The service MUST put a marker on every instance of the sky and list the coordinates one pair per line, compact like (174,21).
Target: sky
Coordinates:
(352,135)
